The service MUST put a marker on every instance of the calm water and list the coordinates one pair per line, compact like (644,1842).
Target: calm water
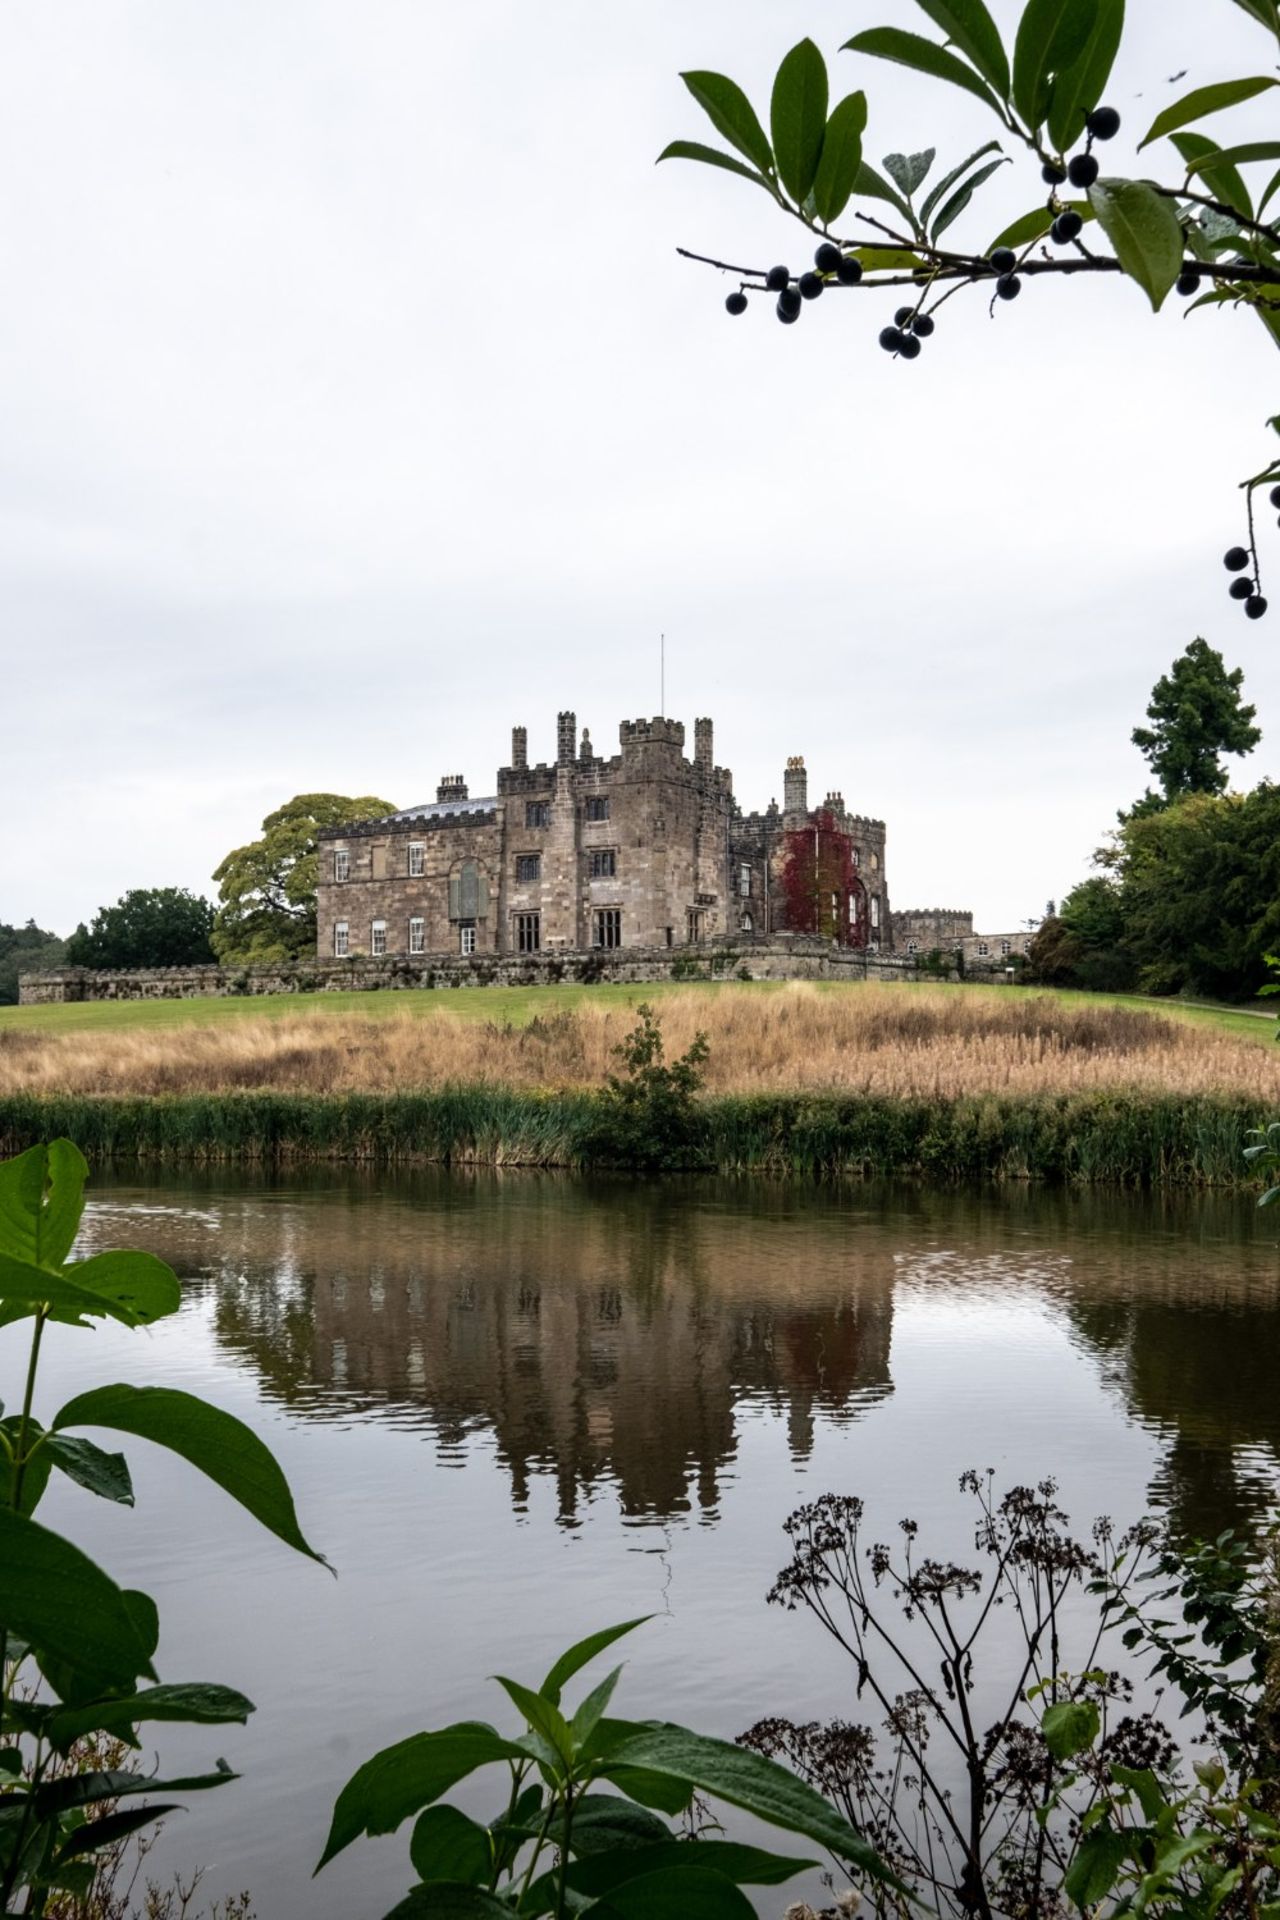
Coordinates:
(514,1408)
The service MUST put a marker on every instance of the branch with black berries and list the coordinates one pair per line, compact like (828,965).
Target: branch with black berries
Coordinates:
(1204,238)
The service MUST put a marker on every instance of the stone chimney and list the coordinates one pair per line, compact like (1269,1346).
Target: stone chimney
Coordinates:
(519,746)
(566,738)
(452,787)
(703,753)
(795,786)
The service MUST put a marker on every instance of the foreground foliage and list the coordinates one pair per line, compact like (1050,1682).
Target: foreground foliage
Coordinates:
(77,1651)
(147,927)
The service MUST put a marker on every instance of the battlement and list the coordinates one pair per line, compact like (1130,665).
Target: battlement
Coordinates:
(656,732)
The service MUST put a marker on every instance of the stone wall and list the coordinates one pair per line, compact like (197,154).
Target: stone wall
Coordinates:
(782,958)
(931,929)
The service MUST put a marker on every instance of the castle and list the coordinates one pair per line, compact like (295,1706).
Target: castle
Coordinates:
(646,848)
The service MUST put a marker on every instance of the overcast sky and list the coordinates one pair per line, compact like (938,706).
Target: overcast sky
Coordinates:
(354,405)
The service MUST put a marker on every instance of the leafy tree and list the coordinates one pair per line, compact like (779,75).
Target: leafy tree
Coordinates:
(1197,714)
(1083,945)
(267,889)
(28,949)
(147,927)
(1201,228)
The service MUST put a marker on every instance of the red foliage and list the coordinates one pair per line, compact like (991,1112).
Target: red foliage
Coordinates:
(820,882)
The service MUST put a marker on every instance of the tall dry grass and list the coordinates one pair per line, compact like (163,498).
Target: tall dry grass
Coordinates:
(884,1042)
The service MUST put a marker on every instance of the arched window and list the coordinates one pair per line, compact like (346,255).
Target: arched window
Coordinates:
(747,923)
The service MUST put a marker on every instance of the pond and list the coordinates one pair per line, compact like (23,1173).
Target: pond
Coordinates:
(517,1407)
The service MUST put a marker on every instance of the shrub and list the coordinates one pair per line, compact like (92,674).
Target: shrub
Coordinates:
(647,1117)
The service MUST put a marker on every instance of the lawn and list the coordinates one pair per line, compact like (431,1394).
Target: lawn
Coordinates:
(518,1005)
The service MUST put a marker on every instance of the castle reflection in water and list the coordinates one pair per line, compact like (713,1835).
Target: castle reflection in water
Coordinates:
(611,1332)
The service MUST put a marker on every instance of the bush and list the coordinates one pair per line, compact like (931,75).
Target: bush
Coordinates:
(647,1117)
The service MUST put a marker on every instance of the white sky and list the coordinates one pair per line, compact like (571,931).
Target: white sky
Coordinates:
(354,405)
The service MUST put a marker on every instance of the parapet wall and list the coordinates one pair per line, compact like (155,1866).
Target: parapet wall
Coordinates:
(779,958)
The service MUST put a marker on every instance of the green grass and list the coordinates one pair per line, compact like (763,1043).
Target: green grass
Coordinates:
(520,1004)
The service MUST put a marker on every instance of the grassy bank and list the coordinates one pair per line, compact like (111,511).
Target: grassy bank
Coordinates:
(1130,1139)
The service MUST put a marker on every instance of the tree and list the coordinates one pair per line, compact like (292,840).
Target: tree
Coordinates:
(147,927)
(267,889)
(1196,714)
(1201,229)
(29,949)
(1083,945)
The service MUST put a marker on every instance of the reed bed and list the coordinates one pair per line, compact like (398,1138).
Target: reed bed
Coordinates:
(877,1043)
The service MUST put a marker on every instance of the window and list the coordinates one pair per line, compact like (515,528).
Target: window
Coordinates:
(528,868)
(747,923)
(875,863)
(417,860)
(378,937)
(417,936)
(468,893)
(1005,947)
(467,937)
(983,949)
(528,932)
(744,882)
(857,857)
(603,863)
(607,926)
(853,907)
(875,912)
(598,806)
(537,813)
(341,940)
(911,946)
(341,864)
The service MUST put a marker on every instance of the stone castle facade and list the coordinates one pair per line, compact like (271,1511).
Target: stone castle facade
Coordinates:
(646,848)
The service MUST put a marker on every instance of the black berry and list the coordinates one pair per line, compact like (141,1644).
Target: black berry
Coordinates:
(923,325)
(811,285)
(910,348)
(1188,282)
(788,304)
(1242,588)
(1083,170)
(827,259)
(776,279)
(849,272)
(1236,559)
(1008,286)
(902,316)
(1067,227)
(1103,123)
(1255,606)
(1051,175)
(1003,260)
(1275,496)
(736,303)
(891,339)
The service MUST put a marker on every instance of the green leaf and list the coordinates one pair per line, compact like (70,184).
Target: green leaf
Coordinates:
(1218,172)
(1052,35)
(215,1442)
(745,1866)
(1030,226)
(1224,93)
(868,181)
(962,196)
(732,114)
(841,157)
(446,1845)
(111,1827)
(449,1900)
(582,1653)
(41,1201)
(404,1778)
(62,1604)
(195,1702)
(1263,204)
(948,180)
(1143,1782)
(745,1779)
(106,1474)
(910,170)
(664,1791)
(1143,228)
(1264,12)
(138,1281)
(712,157)
(1095,1864)
(674,1894)
(602,1823)
(24,1288)
(1070,1727)
(545,1718)
(1077,90)
(591,1710)
(968,24)
(798,117)
(925,56)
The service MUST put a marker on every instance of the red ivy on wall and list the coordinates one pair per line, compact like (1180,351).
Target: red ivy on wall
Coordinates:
(820,883)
